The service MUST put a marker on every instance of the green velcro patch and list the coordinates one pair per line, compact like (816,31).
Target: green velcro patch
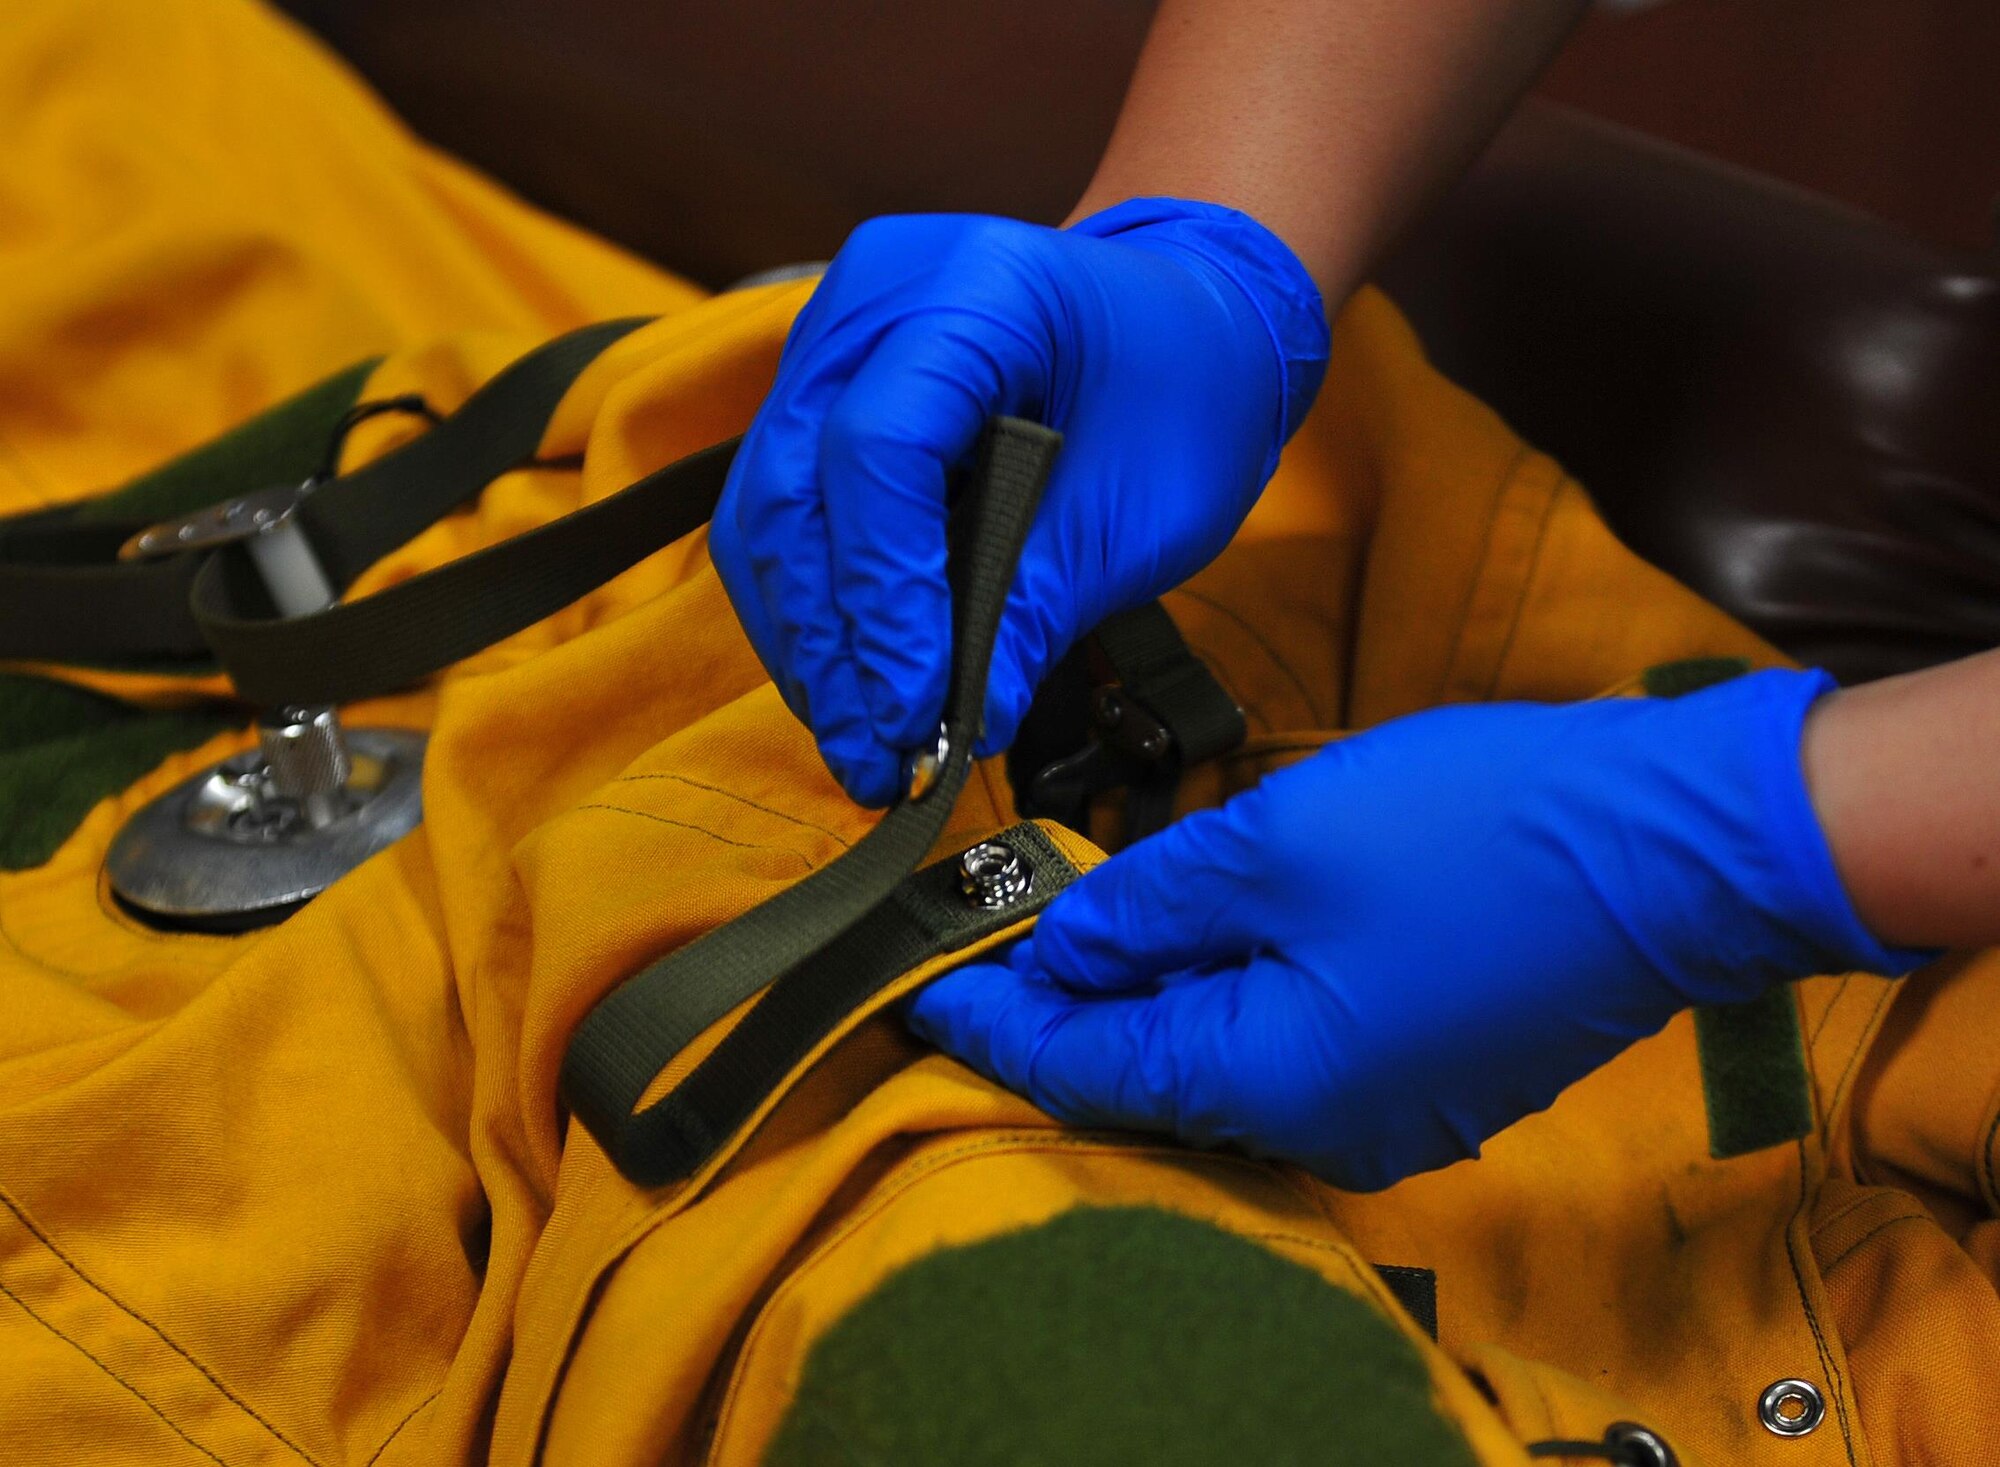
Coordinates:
(284,444)
(1691,675)
(64,748)
(1753,1074)
(1754,1082)
(1113,1336)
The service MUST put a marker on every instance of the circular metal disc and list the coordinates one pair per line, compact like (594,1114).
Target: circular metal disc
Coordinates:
(181,862)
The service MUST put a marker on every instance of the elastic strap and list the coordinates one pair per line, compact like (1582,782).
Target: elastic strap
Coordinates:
(640,1026)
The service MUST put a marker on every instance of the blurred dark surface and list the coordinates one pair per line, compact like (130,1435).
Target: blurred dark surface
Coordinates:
(1891,105)
(1790,406)
(724,138)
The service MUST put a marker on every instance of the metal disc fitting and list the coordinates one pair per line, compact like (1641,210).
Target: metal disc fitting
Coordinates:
(1639,1446)
(992,875)
(922,768)
(246,842)
(1791,1407)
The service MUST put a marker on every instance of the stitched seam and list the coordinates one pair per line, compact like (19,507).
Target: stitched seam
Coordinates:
(1478,576)
(161,1335)
(1551,1426)
(397,1430)
(893,1187)
(1854,1055)
(1824,1225)
(1371,1287)
(1527,583)
(1368,1283)
(1986,1170)
(1826,1361)
(742,845)
(889,1191)
(1886,1223)
(1256,636)
(841,840)
(1826,1016)
(138,1394)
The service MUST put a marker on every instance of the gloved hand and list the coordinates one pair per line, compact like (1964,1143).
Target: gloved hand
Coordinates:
(1175,346)
(1379,957)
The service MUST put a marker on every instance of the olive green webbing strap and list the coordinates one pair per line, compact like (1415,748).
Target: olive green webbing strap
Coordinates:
(64,597)
(925,915)
(638,1028)
(360,649)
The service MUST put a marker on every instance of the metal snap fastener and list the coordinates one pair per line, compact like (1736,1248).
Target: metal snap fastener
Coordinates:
(1637,1446)
(992,874)
(1791,1407)
(923,767)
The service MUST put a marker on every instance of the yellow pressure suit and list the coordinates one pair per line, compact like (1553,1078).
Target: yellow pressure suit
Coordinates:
(308,1194)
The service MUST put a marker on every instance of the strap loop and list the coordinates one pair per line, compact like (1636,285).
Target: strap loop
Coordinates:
(638,1027)
(64,597)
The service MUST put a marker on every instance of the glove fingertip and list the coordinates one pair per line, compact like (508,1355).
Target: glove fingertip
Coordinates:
(873,779)
(906,702)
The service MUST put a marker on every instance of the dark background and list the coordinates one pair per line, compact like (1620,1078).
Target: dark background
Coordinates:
(721,137)
(1779,400)
(1892,105)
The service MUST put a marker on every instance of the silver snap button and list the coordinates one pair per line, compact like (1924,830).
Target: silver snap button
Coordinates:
(922,769)
(1638,1446)
(1791,1407)
(992,874)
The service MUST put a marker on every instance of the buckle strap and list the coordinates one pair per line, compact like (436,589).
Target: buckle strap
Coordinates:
(1154,710)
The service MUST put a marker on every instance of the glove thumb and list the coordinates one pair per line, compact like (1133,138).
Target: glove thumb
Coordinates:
(1183,898)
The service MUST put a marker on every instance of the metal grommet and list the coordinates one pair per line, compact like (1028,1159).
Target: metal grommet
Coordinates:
(1638,1446)
(1791,1407)
(992,875)
(925,765)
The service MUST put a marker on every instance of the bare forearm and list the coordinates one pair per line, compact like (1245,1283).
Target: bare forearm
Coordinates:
(1330,121)
(1905,775)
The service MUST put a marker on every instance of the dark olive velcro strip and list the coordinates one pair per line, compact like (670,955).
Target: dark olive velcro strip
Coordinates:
(1753,1062)
(1753,1074)
(1691,675)
(1114,1336)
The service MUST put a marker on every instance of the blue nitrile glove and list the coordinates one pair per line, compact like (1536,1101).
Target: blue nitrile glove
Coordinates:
(1379,957)
(1175,346)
